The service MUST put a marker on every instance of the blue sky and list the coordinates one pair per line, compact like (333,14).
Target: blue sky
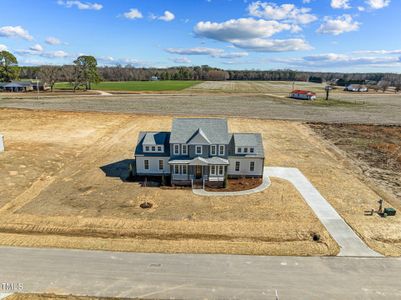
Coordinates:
(326,35)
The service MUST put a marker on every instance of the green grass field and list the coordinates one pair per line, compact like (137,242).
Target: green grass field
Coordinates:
(132,86)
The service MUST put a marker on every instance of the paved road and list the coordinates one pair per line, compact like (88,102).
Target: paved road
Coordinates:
(250,106)
(349,242)
(165,276)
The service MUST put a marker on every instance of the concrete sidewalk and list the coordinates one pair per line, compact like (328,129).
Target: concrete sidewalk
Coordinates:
(265,184)
(349,242)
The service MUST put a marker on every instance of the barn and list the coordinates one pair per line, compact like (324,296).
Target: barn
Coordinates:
(303,95)
(1,143)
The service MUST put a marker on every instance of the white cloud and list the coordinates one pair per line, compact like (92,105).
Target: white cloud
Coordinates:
(15,31)
(36,48)
(339,25)
(267,45)
(213,52)
(56,54)
(52,41)
(378,52)
(3,47)
(339,60)
(182,60)
(244,28)
(251,34)
(195,51)
(111,61)
(378,4)
(133,13)
(80,5)
(340,4)
(287,12)
(168,16)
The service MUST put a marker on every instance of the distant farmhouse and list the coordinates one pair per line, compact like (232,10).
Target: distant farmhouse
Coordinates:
(154,78)
(22,86)
(303,95)
(356,88)
(199,151)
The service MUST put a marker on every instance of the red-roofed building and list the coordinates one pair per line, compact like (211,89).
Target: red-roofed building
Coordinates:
(303,95)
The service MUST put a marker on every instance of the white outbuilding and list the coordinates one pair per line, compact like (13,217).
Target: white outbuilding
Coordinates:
(1,143)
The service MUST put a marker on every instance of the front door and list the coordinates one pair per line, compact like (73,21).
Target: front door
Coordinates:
(198,172)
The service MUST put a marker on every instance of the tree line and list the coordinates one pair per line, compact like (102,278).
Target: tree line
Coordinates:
(85,71)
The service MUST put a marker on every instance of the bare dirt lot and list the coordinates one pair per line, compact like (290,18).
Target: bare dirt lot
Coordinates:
(61,187)
(375,149)
(344,108)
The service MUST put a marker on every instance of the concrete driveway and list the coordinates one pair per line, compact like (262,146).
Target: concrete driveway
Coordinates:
(185,276)
(347,239)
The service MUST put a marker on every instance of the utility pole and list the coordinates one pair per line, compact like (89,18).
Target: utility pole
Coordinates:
(328,89)
(37,85)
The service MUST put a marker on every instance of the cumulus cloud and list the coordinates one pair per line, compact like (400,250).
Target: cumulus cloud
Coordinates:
(272,45)
(244,28)
(379,52)
(251,34)
(80,5)
(111,61)
(340,4)
(15,31)
(340,60)
(133,14)
(213,52)
(287,12)
(3,47)
(167,17)
(339,25)
(378,4)
(181,60)
(36,48)
(52,41)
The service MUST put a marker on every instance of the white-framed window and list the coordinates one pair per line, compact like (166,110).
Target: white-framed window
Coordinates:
(147,148)
(198,150)
(252,150)
(184,169)
(237,166)
(176,169)
(161,164)
(213,150)
(252,166)
(245,150)
(184,149)
(221,170)
(222,149)
(212,170)
(239,150)
(153,148)
(159,149)
(176,149)
(180,169)
(146,164)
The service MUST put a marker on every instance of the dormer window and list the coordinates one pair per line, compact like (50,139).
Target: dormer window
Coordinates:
(198,150)
(159,149)
(222,150)
(184,150)
(153,148)
(245,150)
(252,150)
(147,148)
(213,150)
(176,149)
(239,150)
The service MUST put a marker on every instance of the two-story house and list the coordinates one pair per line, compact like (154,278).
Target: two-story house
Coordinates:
(199,150)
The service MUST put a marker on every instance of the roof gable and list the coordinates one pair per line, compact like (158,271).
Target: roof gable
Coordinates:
(210,130)
(199,138)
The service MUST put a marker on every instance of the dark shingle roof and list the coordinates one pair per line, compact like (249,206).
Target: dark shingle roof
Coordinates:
(161,138)
(214,131)
(247,140)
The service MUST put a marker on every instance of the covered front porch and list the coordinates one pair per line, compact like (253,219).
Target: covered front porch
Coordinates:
(199,171)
